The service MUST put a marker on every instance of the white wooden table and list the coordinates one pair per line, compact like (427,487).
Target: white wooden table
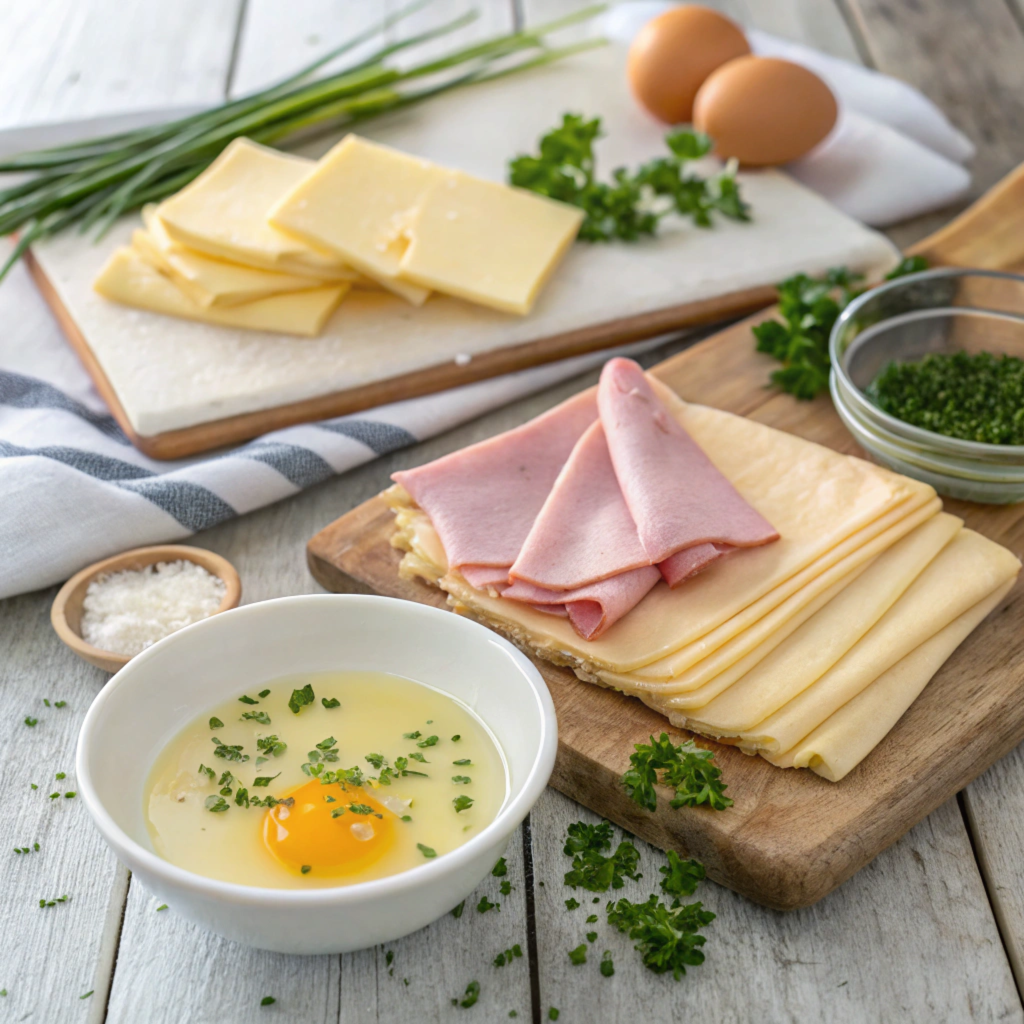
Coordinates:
(933,930)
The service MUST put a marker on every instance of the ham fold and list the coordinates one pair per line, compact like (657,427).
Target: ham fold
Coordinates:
(582,511)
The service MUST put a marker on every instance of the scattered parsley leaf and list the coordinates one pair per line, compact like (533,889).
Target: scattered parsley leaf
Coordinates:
(578,955)
(242,797)
(809,308)
(262,781)
(70,795)
(300,698)
(31,722)
(216,804)
(607,967)
(687,768)
(462,803)
(461,780)
(456,738)
(60,775)
(256,716)
(208,772)
(591,936)
(505,888)
(216,723)
(463,761)
(500,869)
(264,693)
(360,808)
(411,735)
(430,741)
(416,756)
(87,994)
(472,995)
(271,746)
(591,918)
(485,904)
(593,869)
(60,703)
(245,699)
(572,903)
(632,204)
(552,1013)
(305,869)
(333,702)
(163,906)
(681,876)
(457,911)
(667,938)
(426,851)
(267,1001)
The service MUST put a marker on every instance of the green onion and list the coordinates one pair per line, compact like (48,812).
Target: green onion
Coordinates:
(92,183)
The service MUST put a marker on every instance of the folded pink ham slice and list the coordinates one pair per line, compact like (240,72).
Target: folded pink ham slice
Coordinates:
(675,493)
(483,500)
(690,561)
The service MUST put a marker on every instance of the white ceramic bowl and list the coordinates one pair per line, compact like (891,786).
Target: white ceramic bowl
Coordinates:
(165,687)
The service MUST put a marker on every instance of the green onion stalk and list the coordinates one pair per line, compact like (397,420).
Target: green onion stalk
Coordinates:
(92,183)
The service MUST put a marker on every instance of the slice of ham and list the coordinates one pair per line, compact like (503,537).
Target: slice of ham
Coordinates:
(483,500)
(690,561)
(595,607)
(676,495)
(486,577)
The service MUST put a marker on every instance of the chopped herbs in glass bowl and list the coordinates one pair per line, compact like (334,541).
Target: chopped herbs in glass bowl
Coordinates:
(928,377)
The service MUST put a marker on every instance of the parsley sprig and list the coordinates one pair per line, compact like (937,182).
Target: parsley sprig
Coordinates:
(809,307)
(667,938)
(633,203)
(685,768)
(592,868)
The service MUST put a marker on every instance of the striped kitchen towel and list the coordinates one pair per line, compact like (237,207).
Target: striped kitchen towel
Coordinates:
(74,490)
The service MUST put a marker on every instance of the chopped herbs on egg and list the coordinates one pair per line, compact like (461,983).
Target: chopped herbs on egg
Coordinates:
(246,699)
(264,693)
(301,698)
(256,716)
(216,723)
(329,703)
(462,803)
(461,780)
(426,851)
(430,741)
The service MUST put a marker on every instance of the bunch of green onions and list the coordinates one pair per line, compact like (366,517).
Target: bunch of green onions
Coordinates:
(92,183)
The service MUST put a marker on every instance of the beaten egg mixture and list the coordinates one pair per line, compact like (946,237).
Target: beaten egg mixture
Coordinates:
(322,780)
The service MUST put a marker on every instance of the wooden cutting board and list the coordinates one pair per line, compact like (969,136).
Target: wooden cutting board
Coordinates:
(178,388)
(791,836)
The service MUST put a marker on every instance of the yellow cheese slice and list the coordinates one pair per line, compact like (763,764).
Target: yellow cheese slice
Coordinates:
(223,213)
(968,570)
(847,736)
(821,641)
(212,282)
(130,280)
(357,202)
(486,242)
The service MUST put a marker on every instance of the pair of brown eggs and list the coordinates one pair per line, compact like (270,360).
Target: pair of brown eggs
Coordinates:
(694,65)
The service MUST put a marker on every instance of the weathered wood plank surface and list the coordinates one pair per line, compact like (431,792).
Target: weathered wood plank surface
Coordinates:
(910,938)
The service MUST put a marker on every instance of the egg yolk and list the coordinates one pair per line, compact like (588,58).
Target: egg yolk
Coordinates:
(312,834)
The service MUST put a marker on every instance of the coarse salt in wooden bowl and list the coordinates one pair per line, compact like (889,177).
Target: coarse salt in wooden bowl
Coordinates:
(66,613)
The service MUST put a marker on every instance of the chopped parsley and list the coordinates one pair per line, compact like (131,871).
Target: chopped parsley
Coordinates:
(267,1001)
(686,768)
(572,903)
(463,761)
(485,904)
(417,756)
(242,797)
(256,716)
(681,876)
(607,966)
(60,775)
(331,702)
(360,808)
(462,803)
(85,995)
(245,699)
(426,851)
(500,869)
(508,955)
(457,911)
(667,938)
(60,703)
(592,868)
(305,869)
(216,723)
(456,738)
(472,995)
(216,803)
(31,722)
(505,888)
(271,746)
(300,698)
(461,780)
(208,772)
(163,906)
(430,741)
(54,902)
(229,753)
(591,936)
(579,954)
(552,1013)
(262,781)
(264,693)
(591,918)
(411,735)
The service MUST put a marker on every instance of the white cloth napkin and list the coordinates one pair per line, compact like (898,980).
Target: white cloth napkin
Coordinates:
(893,153)
(74,490)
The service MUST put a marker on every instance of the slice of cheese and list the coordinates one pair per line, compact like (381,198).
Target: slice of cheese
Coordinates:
(357,202)
(847,736)
(130,280)
(212,282)
(486,242)
(821,641)
(967,571)
(223,213)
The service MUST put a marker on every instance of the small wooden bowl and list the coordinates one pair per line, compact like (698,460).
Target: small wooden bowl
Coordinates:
(66,613)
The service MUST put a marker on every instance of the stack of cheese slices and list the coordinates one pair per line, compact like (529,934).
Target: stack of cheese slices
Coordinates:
(818,594)
(274,242)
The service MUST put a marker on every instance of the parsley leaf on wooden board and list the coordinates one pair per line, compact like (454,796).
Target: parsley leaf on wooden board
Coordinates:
(667,938)
(681,876)
(809,307)
(685,768)
(592,868)
(633,203)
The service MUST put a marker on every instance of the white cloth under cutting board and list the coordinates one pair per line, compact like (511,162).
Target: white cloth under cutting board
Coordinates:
(170,374)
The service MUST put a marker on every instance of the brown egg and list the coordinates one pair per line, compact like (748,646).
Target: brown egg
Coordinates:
(673,54)
(764,111)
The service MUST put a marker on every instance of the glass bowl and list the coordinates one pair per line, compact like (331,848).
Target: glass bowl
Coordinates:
(937,311)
